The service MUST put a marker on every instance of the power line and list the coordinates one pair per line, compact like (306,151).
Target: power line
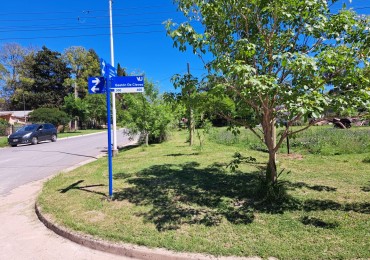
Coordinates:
(90,27)
(83,11)
(77,36)
(82,17)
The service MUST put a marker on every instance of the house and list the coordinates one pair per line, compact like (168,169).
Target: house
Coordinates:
(15,117)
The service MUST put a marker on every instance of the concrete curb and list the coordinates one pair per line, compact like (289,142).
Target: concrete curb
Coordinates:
(123,249)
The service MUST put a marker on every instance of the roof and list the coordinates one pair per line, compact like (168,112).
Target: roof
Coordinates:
(16,113)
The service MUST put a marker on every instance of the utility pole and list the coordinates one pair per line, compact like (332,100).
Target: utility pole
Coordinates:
(114,114)
(76,95)
(24,108)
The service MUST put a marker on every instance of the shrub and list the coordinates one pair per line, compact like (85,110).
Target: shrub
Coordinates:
(366,159)
(3,126)
(49,115)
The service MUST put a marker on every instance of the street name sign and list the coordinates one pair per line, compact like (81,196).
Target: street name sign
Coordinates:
(127,84)
(96,85)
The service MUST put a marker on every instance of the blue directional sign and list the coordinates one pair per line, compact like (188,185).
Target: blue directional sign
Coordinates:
(127,84)
(96,85)
(107,70)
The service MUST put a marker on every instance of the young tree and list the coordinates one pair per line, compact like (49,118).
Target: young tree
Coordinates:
(96,109)
(76,108)
(277,57)
(147,114)
(189,97)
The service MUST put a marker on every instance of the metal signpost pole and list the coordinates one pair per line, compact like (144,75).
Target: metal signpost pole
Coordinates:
(115,150)
(109,147)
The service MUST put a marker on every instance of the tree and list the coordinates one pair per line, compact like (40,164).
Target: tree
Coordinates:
(96,109)
(82,64)
(276,58)
(189,97)
(11,58)
(76,108)
(147,114)
(49,115)
(121,71)
(42,80)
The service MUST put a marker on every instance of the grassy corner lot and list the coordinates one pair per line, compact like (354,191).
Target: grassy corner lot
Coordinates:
(185,199)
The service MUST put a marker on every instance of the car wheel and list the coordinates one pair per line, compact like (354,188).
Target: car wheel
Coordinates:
(13,145)
(34,140)
(53,138)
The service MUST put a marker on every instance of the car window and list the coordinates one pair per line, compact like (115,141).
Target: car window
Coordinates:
(28,128)
(49,126)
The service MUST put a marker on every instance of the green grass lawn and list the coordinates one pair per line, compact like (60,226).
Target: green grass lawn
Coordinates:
(184,198)
(3,141)
(79,132)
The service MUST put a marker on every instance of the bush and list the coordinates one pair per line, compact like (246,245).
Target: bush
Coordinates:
(366,159)
(49,115)
(3,126)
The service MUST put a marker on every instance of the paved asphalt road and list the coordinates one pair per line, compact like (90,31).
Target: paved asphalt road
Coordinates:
(23,170)
(26,163)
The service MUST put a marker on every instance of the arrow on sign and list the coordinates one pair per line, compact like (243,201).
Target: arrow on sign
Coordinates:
(102,67)
(96,82)
(96,85)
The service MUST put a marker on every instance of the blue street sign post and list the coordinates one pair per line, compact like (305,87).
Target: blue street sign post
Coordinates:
(109,148)
(128,84)
(108,72)
(96,85)
(108,83)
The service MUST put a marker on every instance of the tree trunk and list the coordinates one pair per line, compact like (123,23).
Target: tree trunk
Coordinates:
(271,172)
(269,131)
(191,126)
(146,139)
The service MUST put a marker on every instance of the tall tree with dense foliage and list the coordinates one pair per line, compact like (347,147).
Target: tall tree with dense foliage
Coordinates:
(82,64)
(277,58)
(12,56)
(43,77)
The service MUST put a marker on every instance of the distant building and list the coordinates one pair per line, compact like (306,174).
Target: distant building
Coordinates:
(15,117)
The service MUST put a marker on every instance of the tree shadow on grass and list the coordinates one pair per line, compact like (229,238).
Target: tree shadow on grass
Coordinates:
(316,222)
(366,188)
(186,194)
(311,187)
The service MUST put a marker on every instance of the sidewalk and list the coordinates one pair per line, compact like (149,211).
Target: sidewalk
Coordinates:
(23,236)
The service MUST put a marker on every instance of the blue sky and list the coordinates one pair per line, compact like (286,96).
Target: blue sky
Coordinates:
(140,41)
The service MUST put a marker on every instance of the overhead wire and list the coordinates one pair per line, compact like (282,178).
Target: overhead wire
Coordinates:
(82,23)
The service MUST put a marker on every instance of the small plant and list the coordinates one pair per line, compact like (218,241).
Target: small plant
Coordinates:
(202,133)
(366,159)
(238,159)
(272,193)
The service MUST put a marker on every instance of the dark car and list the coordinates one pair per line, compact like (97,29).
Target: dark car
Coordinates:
(33,134)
